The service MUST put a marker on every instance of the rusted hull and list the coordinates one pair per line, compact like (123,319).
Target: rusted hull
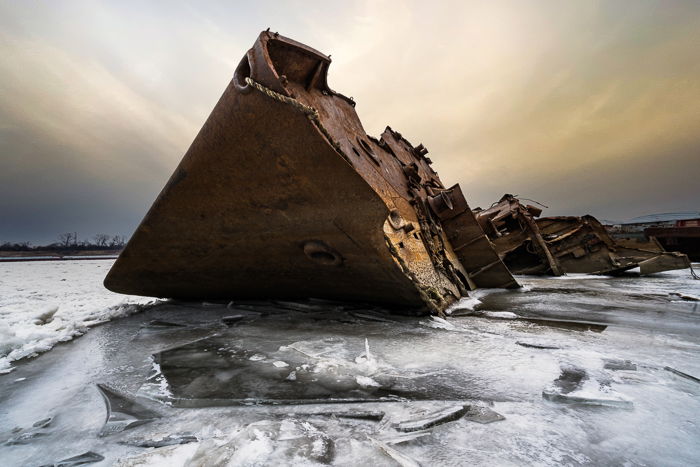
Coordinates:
(557,245)
(283,195)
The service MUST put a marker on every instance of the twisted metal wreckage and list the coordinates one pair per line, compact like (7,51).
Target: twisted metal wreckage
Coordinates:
(282,194)
(557,245)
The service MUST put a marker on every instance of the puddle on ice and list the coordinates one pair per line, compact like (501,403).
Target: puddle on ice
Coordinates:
(579,371)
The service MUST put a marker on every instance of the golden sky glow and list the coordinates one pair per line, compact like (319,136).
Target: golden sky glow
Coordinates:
(589,107)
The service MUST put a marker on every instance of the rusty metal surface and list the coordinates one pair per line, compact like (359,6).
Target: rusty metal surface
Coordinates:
(603,255)
(556,245)
(581,245)
(473,248)
(282,194)
(517,239)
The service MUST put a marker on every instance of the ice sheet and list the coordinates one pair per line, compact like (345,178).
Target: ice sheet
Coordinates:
(207,381)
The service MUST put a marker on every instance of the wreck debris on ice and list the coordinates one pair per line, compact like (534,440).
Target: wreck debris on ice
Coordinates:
(557,245)
(282,194)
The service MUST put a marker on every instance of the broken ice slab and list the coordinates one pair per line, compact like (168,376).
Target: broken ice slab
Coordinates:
(617,364)
(538,345)
(398,438)
(575,387)
(372,415)
(43,423)
(483,415)
(574,325)
(169,440)
(122,412)
(604,399)
(82,459)
(159,323)
(681,374)
(402,459)
(439,417)
(436,322)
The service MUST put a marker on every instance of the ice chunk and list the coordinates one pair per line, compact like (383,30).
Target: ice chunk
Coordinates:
(355,414)
(367,360)
(681,374)
(501,314)
(439,417)
(616,364)
(463,306)
(43,423)
(438,323)
(588,398)
(366,381)
(398,438)
(82,459)
(122,412)
(169,440)
(575,387)
(159,323)
(402,459)
(538,345)
(483,415)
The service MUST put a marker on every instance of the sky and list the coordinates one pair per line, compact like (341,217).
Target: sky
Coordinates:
(587,107)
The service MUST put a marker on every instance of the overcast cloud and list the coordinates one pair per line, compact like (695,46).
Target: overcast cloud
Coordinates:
(588,107)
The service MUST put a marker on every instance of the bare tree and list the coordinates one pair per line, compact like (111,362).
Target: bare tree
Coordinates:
(118,241)
(101,240)
(65,239)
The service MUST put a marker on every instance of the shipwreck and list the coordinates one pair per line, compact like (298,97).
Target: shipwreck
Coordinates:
(557,245)
(282,194)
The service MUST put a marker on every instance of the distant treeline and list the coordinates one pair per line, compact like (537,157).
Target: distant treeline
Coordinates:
(69,242)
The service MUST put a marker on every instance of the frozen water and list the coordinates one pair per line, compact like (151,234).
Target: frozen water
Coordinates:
(43,303)
(205,375)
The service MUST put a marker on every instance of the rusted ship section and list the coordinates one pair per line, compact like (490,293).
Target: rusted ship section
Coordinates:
(557,245)
(513,230)
(282,194)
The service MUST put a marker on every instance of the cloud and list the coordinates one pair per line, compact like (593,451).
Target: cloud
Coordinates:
(589,106)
